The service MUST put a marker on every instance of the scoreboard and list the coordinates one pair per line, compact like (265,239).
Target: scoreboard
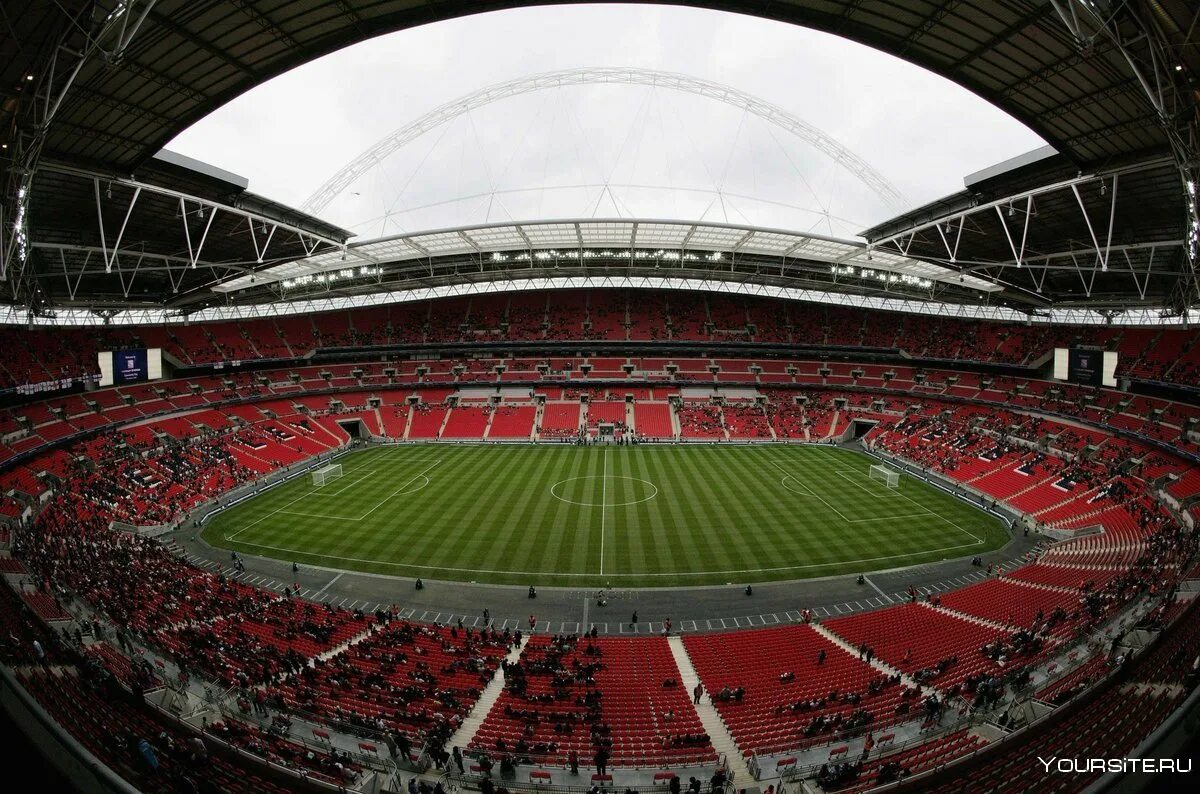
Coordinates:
(132,365)
(1085,366)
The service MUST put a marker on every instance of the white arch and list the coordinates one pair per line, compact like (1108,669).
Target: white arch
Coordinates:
(771,113)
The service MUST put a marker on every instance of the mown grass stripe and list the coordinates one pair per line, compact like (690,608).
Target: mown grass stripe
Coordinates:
(488,514)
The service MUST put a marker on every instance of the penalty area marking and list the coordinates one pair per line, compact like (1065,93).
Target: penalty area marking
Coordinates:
(310,493)
(421,477)
(783,481)
(874,493)
(323,492)
(978,540)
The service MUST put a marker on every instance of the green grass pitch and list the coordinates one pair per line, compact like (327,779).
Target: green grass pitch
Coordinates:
(589,516)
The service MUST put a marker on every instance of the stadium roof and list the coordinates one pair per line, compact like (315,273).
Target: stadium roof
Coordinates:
(624,247)
(97,88)
(1108,239)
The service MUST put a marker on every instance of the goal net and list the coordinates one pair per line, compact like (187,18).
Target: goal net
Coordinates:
(327,473)
(887,475)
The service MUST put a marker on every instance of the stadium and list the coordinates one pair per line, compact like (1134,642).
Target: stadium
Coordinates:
(627,494)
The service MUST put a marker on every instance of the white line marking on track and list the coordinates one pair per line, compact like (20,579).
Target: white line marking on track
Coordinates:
(875,587)
(327,584)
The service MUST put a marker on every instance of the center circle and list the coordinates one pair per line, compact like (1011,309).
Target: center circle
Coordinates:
(607,490)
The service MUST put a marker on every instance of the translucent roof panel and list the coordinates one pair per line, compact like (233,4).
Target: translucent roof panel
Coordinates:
(662,235)
(767,243)
(442,242)
(548,235)
(388,249)
(611,235)
(716,238)
(614,234)
(504,238)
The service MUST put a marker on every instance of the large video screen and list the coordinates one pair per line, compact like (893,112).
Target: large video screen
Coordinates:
(129,366)
(1085,366)
(134,365)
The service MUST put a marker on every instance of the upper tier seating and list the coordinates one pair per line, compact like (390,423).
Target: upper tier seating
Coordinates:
(42,354)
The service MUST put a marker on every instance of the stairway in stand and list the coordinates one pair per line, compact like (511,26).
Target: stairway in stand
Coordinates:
(462,737)
(714,726)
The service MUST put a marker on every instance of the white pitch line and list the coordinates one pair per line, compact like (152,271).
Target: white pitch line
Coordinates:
(978,540)
(875,494)
(284,507)
(345,487)
(646,575)
(822,501)
(603,505)
(398,490)
(268,515)
(316,515)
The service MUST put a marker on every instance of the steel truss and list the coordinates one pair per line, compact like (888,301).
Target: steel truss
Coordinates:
(1017,215)
(1138,33)
(767,111)
(195,216)
(519,283)
(101,30)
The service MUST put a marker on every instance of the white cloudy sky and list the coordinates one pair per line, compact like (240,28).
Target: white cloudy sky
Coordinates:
(551,154)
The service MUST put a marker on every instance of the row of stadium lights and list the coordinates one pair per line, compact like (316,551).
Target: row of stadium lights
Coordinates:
(836,270)
(28,79)
(365,271)
(662,253)
(331,276)
(880,275)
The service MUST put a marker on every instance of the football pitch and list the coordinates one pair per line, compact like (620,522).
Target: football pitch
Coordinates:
(636,516)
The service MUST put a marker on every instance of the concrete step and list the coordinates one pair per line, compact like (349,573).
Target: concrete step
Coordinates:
(462,737)
(714,726)
(882,667)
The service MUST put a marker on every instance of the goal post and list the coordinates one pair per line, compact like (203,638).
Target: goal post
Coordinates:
(326,473)
(886,475)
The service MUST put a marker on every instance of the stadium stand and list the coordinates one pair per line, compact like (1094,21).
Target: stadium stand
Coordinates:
(585,695)
(781,687)
(48,355)
(418,680)
(1091,468)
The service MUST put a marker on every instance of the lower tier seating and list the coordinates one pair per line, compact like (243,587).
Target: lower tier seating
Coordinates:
(621,697)
(410,678)
(778,688)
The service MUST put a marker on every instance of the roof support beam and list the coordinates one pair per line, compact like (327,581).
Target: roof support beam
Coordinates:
(1149,52)
(266,23)
(203,203)
(200,42)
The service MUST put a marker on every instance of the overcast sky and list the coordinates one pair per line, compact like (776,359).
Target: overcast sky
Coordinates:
(607,150)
